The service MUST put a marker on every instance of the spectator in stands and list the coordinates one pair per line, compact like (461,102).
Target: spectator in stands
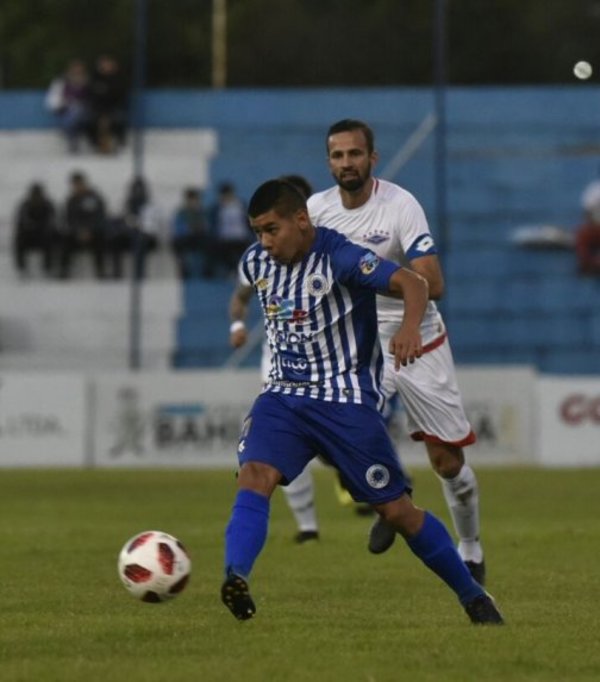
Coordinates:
(34,229)
(136,230)
(587,236)
(83,226)
(189,236)
(68,98)
(108,105)
(230,230)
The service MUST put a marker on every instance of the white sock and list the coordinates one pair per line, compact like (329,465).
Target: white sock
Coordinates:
(462,498)
(300,495)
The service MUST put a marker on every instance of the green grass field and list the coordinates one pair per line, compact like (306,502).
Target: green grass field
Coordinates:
(326,610)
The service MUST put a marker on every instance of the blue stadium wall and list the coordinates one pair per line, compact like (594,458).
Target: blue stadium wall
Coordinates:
(515,156)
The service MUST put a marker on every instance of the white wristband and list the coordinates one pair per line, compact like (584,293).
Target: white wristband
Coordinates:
(236,326)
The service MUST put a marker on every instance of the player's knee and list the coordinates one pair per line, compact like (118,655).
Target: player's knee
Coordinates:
(403,515)
(259,477)
(447,460)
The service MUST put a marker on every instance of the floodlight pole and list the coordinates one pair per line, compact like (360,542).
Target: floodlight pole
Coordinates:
(139,79)
(441,181)
(219,43)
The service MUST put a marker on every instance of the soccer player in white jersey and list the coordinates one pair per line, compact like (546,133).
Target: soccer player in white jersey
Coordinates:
(317,292)
(389,220)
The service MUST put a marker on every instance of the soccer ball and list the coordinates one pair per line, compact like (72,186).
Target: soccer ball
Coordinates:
(154,566)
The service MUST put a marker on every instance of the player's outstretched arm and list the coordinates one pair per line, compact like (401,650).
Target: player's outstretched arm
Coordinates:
(238,310)
(406,344)
(429,267)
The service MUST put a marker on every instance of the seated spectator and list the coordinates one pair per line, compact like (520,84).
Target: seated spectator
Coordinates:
(189,236)
(587,236)
(108,105)
(83,226)
(68,98)
(137,229)
(230,231)
(35,229)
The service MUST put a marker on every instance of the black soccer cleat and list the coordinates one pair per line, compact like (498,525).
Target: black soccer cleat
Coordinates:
(235,595)
(482,611)
(477,571)
(381,536)
(303,536)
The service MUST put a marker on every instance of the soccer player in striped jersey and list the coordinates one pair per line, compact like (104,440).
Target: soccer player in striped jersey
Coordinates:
(317,292)
(299,493)
(389,220)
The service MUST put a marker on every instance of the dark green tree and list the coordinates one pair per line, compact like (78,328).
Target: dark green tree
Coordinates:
(271,43)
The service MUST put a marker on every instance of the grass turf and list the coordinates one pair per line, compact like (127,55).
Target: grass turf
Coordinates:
(327,610)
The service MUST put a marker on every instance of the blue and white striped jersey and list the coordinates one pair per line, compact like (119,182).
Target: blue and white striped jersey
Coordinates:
(321,319)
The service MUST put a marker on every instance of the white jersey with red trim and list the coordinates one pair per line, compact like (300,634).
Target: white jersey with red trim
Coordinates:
(393,225)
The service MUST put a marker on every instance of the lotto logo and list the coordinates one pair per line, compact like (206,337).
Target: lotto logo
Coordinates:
(424,244)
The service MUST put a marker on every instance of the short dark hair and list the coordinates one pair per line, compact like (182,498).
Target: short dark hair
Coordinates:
(347,125)
(279,195)
(300,183)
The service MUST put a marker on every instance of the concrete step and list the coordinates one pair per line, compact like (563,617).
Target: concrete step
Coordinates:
(173,160)
(62,325)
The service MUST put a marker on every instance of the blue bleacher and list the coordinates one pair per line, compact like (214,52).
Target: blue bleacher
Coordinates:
(472,263)
(581,360)
(543,262)
(467,354)
(551,322)
(202,331)
(468,296)
(515,158)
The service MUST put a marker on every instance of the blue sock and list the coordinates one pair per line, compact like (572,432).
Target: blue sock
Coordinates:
(246,533)
(434,546)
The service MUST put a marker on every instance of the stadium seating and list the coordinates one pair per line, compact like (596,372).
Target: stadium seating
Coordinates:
(174,159)
(202,330)
(515,157)
(84,325)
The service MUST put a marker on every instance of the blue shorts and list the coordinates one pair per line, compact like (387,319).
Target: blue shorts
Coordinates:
(286,432)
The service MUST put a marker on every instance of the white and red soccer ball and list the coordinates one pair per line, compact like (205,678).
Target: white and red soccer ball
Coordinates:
(154,566)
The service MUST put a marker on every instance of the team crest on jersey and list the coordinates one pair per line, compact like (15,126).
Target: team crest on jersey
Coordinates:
(317,284)
(376,237)
(368,263)
(262,284)
(377,476)
(279,308)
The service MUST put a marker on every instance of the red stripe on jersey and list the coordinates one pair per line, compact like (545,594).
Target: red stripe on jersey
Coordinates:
(436,343)
(469,439)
